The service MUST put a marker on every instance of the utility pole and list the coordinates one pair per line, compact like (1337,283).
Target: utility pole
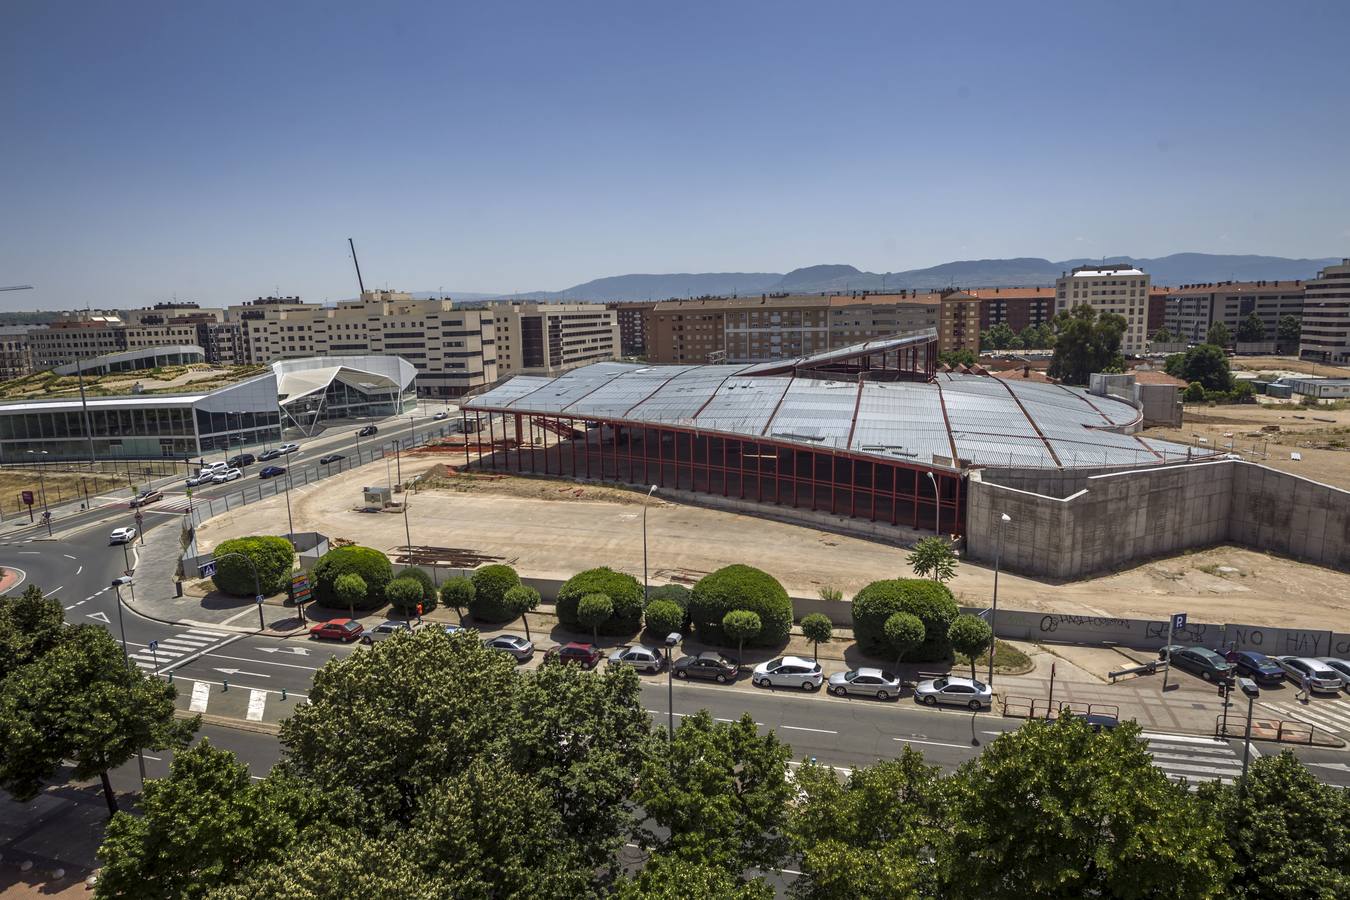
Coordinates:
(84,408)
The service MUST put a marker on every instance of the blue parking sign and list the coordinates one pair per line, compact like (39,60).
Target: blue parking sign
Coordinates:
(1178,621)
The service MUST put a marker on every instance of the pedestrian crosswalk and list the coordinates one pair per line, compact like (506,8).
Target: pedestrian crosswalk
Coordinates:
(225,701)
(1192,759)
(1327,714)
(165,651)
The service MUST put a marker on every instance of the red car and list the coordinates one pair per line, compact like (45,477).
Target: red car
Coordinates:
(585,655)
(337,630)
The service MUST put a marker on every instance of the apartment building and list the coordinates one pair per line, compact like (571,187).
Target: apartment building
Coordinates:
(633,323)
(1326,315)
(16,356)
(1017,307)
(1118,289)
(959,322)
(1193,308)
(1157,309)
(550,338)
(451,347)
(75,336)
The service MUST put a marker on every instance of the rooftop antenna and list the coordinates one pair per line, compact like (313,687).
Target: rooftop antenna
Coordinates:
(357,263)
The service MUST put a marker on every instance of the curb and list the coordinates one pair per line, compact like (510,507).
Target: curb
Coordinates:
(227,722)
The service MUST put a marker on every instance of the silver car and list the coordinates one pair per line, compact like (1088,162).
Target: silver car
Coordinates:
(788,671)
(1340,666)
(867,682)
(642,658)
(954,691)
(385,630)
(513,644)
(1320,676)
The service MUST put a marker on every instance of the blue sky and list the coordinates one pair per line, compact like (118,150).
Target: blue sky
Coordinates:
(218,151)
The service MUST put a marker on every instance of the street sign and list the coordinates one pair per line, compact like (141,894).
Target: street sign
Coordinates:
(28,498)
(207,569)
(139,518)
(260,599)
(1178,620)
(154,645)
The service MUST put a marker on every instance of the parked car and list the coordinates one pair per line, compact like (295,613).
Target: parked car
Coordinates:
(240,460)
(146,497)
(200,478)
(337,630)
(272,471)
(709,665)
(1200,661)
(1255,665)
(225,475)
(267,455)
(513,644)
(869,682)
(1339,666)
(453,629)
(367,431)
(289,448)
(212,468)
(385,630)
(576,652)
(1321,677)
(440,415)
(788,671)
(953,691)
(643,658)
(331,458)
(122,535)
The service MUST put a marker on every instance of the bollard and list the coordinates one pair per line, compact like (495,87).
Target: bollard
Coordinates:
(283,693)
(170,678)
(225,684)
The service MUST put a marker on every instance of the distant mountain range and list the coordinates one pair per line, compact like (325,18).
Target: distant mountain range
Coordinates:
(1179,268)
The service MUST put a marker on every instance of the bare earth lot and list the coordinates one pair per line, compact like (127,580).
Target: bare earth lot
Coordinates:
(550,528)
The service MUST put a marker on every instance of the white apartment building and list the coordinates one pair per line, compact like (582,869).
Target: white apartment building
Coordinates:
(1326,316)
(452,347)
(550,338)
(1118,289)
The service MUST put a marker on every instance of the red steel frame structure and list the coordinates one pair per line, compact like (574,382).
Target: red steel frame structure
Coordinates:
(744,467)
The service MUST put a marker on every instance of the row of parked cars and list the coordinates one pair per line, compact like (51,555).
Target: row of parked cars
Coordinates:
(233,468)
(783,671)
(1324,674)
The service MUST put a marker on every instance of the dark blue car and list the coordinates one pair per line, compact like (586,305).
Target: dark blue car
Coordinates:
(272,472)
(1256,665)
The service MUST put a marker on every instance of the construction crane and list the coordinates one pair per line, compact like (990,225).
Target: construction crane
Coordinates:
(17,287)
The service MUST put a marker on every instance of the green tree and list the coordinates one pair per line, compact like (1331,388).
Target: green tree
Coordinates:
(1194,393)
(741,625)
(623,590)
(971,636)
(1251,329)
(1289,331)
(272,556)
(1000,337)
(904,632)
(30,626)
(350,591)
(429,592)
(958,358)
(196,829)
(741,587)
(818,629)
(933,556)
(1086,341)
(868,838)
(404,594)
(830,594)
(717,794)
(458,594)
(1289,832)
(663,617)
(932,603)
(665,877)
(81,702)
(1163,336)
(1218,335)
(1207,364)
(592,611)
(372,565)
(1056,810)
(522,599)
(490,584)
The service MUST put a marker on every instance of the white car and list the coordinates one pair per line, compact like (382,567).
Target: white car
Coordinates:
(122,535)
(200,478)
(212,468)
(644,659)
(439,416)
(788,671)
(289,448)
(954,691)
(226,475)
(1321,677)
(1340,666)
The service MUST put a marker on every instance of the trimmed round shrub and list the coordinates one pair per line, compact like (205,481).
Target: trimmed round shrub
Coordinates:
(490,585)
(372,565)
(457,593)
(404,594)
(350,590)
(273,556)
(741,625)
(904,632)
(741,587)
(663,617)
(930,602)
(676,593)
(818,629)
(429,592)
(593,610)
(624,593)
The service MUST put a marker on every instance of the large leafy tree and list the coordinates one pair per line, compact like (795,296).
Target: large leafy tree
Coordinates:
(80,702)
(869,837)
(30,626)
(1289,330)
(1055,810)
(1290,833)
(665,877)
(933,557)
(998,337)
(1205,363)
(196,830)
(1086,341)
(1218,335)
(1252,328)
(718,794)
(904,631)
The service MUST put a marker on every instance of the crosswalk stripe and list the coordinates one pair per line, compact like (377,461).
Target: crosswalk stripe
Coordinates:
(1218,764)
(143,665)
(1203,770)
(146,654)
(1190,748)
(201,694)
(1180,738)
(212,634)
(257,702)
(1319,717)
(180,645)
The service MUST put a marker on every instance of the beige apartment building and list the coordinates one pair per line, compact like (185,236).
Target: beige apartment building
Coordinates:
(1192,308)
(1326,315)
(550,338)
(16,356)
(1118,289)
(451,347)
(76,336)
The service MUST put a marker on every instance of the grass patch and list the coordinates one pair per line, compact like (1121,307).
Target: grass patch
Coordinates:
(1008,660)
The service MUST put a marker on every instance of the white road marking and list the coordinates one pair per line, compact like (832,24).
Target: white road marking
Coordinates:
(268,662)
(99,617)
(80,569)
(257,702)
(201,693)
(68,556)
(934,743)
(213,634)
(801,728)
(52,591)
(1183,738)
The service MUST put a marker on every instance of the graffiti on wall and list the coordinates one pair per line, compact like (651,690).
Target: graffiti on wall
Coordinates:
(1051,623)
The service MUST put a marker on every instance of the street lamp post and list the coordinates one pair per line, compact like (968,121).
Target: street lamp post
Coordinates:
(1248,687)
(407,535)
(290,523)
(117,586)
(993,616)
(937,505)
(672,640)
(42,488)
(644,547)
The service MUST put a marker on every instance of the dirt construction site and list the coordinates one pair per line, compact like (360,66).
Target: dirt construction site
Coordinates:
(550,528)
